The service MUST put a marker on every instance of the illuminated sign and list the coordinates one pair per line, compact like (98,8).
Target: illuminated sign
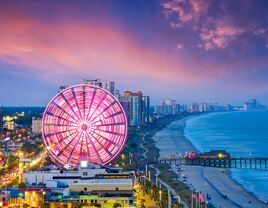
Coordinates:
(25,160)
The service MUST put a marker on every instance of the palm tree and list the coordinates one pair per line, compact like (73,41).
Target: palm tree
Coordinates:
(26,205)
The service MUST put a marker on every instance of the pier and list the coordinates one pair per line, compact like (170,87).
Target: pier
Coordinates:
(233,162)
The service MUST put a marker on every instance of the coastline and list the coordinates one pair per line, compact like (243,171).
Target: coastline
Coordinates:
(223,190)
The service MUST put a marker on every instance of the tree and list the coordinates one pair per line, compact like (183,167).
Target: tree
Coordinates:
(26,205)
(22,185)
(45,205)
(28,148)
(116,205)
(79,205)
(47,161)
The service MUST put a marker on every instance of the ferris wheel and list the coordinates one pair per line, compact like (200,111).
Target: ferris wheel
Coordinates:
(84,121)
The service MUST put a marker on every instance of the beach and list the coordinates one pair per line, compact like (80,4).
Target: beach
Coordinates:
(224,191)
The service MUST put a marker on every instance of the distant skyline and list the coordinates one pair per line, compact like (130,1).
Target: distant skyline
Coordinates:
(191,51)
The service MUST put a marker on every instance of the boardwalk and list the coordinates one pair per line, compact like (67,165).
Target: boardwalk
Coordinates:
(242,162)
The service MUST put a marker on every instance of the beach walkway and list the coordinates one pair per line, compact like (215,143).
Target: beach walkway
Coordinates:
(171,190)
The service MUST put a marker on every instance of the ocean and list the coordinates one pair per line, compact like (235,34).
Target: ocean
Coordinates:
(239,133)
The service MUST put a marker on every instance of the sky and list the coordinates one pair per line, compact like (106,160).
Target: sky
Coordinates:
(191,51)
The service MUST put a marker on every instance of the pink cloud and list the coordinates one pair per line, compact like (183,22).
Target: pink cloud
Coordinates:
(187,11)
(214,31)
(220,36)
(179,46)
(57,50)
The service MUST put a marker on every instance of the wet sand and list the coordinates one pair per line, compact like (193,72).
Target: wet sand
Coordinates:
(224,191)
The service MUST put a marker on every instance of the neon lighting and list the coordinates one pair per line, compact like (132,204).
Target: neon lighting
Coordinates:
(84,121)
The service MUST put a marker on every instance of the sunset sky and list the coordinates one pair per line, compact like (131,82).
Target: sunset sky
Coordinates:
(215,51)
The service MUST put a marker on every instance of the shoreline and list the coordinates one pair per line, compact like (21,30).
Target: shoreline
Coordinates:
(222,188)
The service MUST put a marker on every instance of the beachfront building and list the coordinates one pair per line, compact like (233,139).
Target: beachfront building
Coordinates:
(167,107)
(145,109)
(134,103)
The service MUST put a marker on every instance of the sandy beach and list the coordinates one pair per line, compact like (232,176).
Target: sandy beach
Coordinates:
(224,191)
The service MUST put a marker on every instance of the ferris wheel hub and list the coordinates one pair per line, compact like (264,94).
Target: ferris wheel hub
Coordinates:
(84,127)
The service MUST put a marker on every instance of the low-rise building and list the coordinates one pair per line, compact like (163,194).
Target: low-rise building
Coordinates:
(59,178)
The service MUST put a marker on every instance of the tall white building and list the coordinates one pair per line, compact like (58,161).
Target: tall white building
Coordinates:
(107,85)
(36,125)
(169,107)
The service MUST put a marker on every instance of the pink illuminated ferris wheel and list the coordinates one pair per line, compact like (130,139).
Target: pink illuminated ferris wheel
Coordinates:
(84,121)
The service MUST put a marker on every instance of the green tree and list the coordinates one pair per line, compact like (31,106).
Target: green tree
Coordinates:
(47,161)
(27,147)
(45,205)
(116,205)
(26,205)
(78,205)
(22,185)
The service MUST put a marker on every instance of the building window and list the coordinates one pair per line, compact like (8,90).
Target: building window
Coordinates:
(85,189)
(84,173)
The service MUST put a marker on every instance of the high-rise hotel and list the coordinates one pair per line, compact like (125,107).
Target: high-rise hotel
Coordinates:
(136,106)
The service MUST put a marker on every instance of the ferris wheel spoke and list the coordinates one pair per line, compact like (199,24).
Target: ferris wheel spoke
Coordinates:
(59,132)
(84,102)
(74,148)
(106,150)
(55,124)
(108,140)
(115,114)
(59,107)
(74,96)
(63,149)
(88,152)
(59,117)
(68,103)
(91,102)
(104,110)
(112,124)
(100,102)
(63,138)
(111,132)
(94,148)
